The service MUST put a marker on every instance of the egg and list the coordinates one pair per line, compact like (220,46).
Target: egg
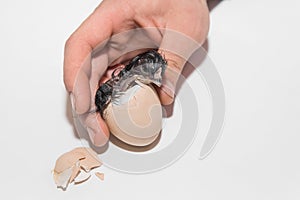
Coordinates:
(137,117)
(128,102)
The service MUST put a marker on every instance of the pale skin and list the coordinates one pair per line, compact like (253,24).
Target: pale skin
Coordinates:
(190,18)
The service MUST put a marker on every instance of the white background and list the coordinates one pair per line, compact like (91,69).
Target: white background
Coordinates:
(255,47)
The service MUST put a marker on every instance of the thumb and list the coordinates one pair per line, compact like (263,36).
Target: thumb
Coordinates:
(173,71)
(176,47)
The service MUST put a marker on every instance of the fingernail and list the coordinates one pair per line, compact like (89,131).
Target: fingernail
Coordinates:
(95,131)
(91,134)
(98,139)
(72,99)
(169,89)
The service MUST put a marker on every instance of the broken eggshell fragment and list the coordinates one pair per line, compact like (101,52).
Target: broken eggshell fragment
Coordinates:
(74,166)
(100,175)
(89,163)
(67,160)
(62,179)
(82,177)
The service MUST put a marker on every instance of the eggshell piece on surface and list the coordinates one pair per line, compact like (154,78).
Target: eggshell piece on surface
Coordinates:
(100,175)
(74,166)
(62,179)
(67,160)
(85,151)
(89,163)
(75,171)
(82,177)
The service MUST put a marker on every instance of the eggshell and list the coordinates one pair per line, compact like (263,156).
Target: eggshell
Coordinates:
(139,120)
(74,165)
(86,155)
(86,151)
(82,177)
(89,163)
(75,172)
(67,160)
(100,175)
(62,179)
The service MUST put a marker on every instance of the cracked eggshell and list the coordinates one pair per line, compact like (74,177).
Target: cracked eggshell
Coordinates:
(75,172)
(86,151)
(82,177)
(137,121)
(62,179)
(91,159)
(100,175)
(68,166)
(89,163)
(67,160)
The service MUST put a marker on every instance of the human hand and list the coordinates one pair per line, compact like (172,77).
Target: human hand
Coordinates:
(169,17)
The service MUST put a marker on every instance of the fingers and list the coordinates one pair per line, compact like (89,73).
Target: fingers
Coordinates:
(85,90)
(93,31)
(98,69)
(174,67)
(80,45)
(180,40)
(80,96)
(78,71)
(176,47)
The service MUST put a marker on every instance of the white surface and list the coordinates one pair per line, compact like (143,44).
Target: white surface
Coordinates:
(255,46)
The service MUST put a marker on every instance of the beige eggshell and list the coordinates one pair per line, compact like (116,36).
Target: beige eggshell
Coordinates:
(138,121)
(68,167)
(67,160)
(75,172)
(81,177)
(89,163)
(62,179)
(86,151)
(91,159)
(100,175)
